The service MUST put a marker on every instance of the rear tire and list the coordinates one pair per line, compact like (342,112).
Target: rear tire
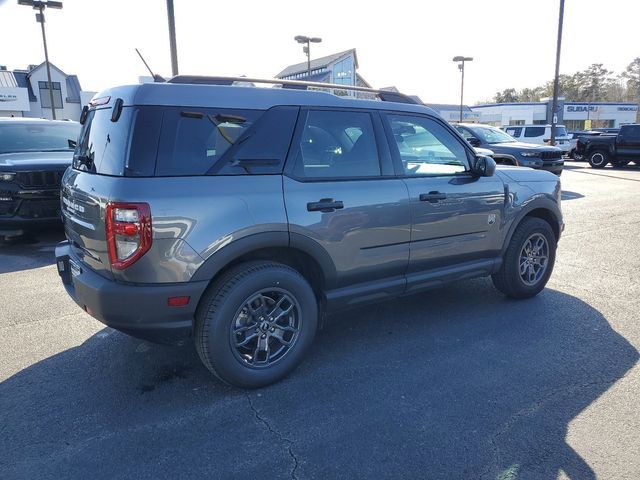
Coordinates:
(598,159)
(513,279)
(243,334)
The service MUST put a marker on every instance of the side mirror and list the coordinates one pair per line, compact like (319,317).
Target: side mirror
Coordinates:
(474,141)
(484,166)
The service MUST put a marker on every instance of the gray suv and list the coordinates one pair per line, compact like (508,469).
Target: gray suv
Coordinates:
(239,217)
(509,151)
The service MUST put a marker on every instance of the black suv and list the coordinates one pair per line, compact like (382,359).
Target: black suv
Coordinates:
(240,216)
(34,154)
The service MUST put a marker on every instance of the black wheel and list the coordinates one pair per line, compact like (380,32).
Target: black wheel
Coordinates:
(255,323)
(598,159)
(528,261)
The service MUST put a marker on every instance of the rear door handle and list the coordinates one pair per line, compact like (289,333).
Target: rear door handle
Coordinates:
(432,197)
(325,205)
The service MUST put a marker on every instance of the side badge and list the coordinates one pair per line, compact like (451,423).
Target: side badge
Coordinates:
(491,219)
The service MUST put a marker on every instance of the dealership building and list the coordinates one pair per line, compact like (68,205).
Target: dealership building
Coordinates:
(25,93)
(574,115)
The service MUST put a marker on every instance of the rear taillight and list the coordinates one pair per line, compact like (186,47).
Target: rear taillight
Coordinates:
(129,234)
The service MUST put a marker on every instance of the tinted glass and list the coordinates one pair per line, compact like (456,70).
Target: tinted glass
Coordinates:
(264,147)
(103,144)
(534,131)
(337,144)
(38,137)
(514,132)
(561,131)
(426,147)
(630,133)
(194,139)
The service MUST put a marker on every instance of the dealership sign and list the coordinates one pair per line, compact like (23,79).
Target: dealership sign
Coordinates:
(14,99)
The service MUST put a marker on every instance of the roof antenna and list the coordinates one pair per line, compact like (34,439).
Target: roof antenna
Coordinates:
(156,78)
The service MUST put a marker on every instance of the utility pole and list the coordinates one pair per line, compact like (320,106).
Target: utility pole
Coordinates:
(554,104)
(172,38)
(40,5)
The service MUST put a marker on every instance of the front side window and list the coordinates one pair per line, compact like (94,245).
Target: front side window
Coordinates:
(426,147)
(45,97)
(631,133)
(337,144)
(530,132)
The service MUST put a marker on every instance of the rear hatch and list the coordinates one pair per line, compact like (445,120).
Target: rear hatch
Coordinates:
(100,158)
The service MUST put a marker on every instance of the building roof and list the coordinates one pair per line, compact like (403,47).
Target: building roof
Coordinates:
(73,89)
(7,79)
(22,80)
(447,106)
(317,63)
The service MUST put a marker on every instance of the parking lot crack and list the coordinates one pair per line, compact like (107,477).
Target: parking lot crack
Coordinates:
(278,434)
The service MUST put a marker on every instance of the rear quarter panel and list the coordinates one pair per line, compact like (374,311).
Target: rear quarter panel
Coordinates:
(195,217)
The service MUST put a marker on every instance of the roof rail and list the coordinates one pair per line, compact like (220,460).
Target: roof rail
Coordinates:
(384,95)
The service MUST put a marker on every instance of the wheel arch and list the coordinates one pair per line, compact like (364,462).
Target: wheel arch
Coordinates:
(543,209)
(298,252)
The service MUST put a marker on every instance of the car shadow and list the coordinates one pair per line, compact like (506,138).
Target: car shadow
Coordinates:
(567,195)
(457,382)
(34,249)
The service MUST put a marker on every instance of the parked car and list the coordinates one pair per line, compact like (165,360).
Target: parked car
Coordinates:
(508,151)
(540,135)
(574,142)
(34,154)
(240,217)
(618,149)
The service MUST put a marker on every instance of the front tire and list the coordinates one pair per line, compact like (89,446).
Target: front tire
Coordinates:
(598,159)
(255,324)
(528,261)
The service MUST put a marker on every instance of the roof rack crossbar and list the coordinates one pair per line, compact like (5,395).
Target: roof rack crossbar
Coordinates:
(384,95)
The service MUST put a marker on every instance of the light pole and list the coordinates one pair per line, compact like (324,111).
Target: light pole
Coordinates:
(40,5)
(307,41)
(461,61)
(172,38)
(554,104)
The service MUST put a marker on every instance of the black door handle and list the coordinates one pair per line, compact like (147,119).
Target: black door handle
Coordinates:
(325,205)
(432,197)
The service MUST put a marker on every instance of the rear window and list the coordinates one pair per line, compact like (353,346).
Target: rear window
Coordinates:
(38,137)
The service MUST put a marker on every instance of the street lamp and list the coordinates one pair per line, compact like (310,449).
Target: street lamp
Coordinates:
(40,5)
(307,41)
(461,61)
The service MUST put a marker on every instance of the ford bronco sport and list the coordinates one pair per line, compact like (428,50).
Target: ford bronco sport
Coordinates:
(239,216)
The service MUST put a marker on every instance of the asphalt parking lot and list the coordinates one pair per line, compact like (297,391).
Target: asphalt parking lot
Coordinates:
(455,383)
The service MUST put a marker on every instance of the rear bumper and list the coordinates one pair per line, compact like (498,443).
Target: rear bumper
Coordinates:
(138,310)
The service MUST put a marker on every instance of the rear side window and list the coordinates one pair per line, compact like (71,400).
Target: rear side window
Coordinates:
(337,144)
(530,132)
(200,141)
(514,132)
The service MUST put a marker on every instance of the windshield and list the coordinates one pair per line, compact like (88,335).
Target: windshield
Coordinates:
(561,132)
(492,135)
(38,137)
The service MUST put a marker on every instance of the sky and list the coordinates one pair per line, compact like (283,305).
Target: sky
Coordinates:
(411,47)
